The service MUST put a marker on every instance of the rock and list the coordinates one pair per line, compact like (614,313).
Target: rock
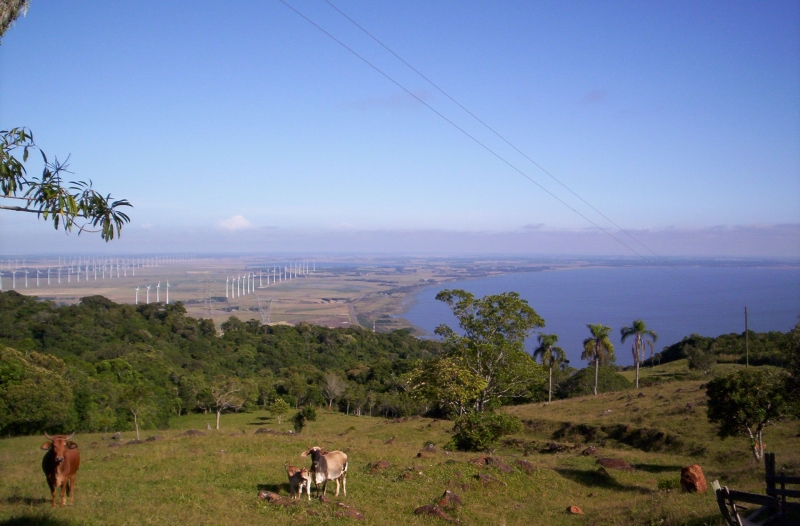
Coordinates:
(589,451)
(526,466)
(488,480)
(496,462)
(607,412)
(640,395)
(324,498)
(574,510)
(692,479)
(381,464)
(390,440)
(425,454)
(433,511)
(134,442)
(614,463)
(117,436)
(429,448)
(478,461)
(312,513)
(689,406)
(192,433)
(449,500)
(272,498)
(114,444)
(154,438)
(348,512)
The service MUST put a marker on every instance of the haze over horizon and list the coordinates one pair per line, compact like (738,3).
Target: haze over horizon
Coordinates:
(246,129)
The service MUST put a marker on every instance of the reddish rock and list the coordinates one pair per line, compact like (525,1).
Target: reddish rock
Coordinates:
(381,464)
(450,499)
(692,479)
(274,498)
(425,454)
(433,511)
(575,510)
(614,463)
(349,512)
(526,466)
(591,450)
(391,440)
(488,480)
(496,462)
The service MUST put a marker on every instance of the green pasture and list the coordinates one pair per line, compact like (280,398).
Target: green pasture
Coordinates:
(215,478)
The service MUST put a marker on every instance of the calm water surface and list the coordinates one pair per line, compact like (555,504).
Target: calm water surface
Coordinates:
(674,302)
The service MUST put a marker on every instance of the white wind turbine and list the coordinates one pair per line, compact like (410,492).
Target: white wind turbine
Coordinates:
(167,292)
(26,276)
(137,295)
(158,292)
(148,294)
(37,277)
(48,275)
(226,286)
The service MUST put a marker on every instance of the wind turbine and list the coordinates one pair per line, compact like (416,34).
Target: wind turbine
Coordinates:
(137,295)
(226,286)
(158,292)
(14,279)
(148,294)
(26,275)
(167,292)
(37,277)
(48,275)
(59,275)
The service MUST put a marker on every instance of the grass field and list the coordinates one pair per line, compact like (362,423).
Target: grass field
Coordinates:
(215,478)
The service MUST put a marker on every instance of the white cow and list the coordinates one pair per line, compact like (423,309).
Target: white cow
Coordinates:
(327,466)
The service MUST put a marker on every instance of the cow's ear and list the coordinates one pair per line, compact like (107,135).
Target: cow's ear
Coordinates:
(72,445)
(304,454)
(47,445)
(323,453)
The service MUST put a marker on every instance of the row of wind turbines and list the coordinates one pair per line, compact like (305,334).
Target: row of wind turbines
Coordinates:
(158,293)
(86,266)
(245,284)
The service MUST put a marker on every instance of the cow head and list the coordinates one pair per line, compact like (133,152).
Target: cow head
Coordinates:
(59,444)
(315,453)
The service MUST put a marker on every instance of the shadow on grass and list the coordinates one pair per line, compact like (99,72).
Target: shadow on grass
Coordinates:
(708,520)
(260,421)
(596,479)
(274,488)
(28,501)
(34,520)
(657,468)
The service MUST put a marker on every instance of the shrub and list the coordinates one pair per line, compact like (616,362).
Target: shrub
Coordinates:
(299,421)
(480,431)
(309,413)
(582,382)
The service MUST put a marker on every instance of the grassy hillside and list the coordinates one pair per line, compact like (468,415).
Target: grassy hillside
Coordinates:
(215,478)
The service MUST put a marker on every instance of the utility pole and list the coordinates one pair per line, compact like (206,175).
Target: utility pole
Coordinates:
(746,341)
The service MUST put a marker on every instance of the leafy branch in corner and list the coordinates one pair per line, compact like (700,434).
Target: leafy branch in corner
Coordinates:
(70,205)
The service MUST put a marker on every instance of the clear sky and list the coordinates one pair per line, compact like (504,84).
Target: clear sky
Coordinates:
(240,126)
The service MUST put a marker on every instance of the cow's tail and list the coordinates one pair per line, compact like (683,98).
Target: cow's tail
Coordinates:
(346,463)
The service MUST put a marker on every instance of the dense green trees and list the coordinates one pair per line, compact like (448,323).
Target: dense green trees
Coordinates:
(495,328)
(107,351)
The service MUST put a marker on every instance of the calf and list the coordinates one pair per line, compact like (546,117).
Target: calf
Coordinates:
(298,478)
(60,465)
(327,466)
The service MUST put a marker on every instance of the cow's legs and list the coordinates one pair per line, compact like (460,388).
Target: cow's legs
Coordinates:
(64,493)
(53,494)
(71,489)
(344,483)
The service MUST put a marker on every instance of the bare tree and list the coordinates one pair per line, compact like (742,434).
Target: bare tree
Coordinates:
(227,393)
(334,388)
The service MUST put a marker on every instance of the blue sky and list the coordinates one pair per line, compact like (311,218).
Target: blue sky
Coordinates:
(240,126)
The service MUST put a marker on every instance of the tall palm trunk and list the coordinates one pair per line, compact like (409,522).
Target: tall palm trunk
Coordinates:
(550,394)
(596,366)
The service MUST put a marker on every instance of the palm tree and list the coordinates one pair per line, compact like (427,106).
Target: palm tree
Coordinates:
(550,355)
(643,337)
(598,348)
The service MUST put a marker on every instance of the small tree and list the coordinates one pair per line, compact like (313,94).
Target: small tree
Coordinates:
(226,393)
(480,431)
(642,338)
(598,348)
(278,408)
(747,401)
(333,388)
(550,356)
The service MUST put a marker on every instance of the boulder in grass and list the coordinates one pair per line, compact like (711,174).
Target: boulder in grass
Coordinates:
(693,480)
(449,500)
(433,511)
(589,451)
(348,512)
(574,510)
(526,466)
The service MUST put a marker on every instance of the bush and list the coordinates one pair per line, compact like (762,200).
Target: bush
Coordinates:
(701,360)
(582,382)
(480,431)
(309,413)
(299,421)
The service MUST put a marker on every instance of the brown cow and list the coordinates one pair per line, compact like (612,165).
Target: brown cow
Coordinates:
(60,465)
(299,478)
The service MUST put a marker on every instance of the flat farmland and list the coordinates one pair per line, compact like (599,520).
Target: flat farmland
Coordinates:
(337,293)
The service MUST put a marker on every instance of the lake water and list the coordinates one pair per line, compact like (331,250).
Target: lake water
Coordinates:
(673,302)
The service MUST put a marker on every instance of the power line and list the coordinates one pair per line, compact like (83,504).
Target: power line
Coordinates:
(495,132)
(462,130)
